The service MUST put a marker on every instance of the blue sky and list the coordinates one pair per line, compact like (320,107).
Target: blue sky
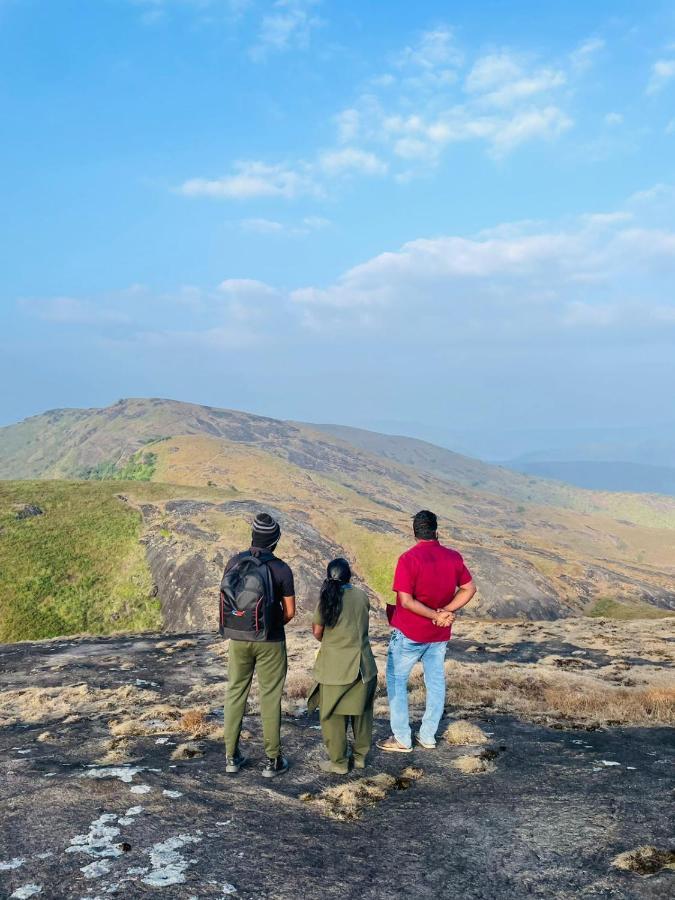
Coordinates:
(438,218)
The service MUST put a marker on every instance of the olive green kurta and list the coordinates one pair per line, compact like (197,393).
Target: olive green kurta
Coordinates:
(345,653)
(346,673)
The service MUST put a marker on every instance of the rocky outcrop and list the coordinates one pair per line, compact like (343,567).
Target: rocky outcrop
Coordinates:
(187,562)
(113,785)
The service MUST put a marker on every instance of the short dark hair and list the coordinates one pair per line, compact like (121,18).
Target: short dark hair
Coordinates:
(425,525)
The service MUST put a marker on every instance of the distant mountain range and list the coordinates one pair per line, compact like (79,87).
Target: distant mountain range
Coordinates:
(647,445)
(603,475)
(193,476)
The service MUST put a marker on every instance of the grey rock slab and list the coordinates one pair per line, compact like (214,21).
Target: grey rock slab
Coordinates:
(546,823)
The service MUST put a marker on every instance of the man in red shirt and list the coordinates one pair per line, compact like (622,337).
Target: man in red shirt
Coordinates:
(431,584)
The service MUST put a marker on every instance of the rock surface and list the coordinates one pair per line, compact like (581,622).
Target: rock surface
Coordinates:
(546,819)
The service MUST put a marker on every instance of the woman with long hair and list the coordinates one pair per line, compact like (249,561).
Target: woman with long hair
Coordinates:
(345,669)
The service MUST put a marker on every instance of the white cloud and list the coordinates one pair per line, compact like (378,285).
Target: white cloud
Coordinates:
(606,275)
(512,281)
(252,178)
(502,80)
(351,159)
(246,289)
(613,118)
(547,123)
(603,220)
(348,122)
(262,226)
(414,138)
(430,63)
(506,100)
(670,127)
(662,73)
(305,226)
(155,10)
(586,53)
(288,26)
(434,49)
(407,119)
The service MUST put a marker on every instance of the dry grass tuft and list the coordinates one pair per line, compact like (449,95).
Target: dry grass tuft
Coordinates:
(184,644)
(220,648)
(117,750)
(472,765)
(193,722)
(171,646)
(160,718)
(45,736)
(646,706)
(189,750)
(407,776)
(566,662)
(546,694)
(347,801)
(298,687)
(213,694)
(462,733)
(645,860)
(32,706)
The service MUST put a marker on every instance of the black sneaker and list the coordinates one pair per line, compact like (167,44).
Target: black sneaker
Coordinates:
(234,763)
(275,767)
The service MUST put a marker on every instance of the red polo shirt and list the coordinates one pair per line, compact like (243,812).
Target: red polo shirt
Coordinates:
(431,574)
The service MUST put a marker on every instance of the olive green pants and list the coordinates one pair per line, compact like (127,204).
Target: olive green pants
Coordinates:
(268,659)
(334,731)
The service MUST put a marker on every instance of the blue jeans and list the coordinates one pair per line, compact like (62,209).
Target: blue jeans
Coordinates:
(401,657)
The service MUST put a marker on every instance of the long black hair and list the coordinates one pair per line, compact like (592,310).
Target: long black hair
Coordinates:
(330,603)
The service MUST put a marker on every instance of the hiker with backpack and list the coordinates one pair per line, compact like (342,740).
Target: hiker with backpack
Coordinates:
(345,670)
(257,598)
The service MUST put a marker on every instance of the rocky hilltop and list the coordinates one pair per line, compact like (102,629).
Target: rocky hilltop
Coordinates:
(553,782)
(182,482)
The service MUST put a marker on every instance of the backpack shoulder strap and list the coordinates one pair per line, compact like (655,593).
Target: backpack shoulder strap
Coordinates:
(261,558)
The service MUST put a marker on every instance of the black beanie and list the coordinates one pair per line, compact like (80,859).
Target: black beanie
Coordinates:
(266,532)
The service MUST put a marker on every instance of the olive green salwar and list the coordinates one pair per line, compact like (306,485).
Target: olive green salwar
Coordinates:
(338,705)
(346,681)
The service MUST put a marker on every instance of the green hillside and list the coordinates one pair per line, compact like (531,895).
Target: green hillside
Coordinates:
(76,567)
(115,442)
(195,476)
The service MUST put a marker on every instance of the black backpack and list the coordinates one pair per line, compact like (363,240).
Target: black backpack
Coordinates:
(247,601)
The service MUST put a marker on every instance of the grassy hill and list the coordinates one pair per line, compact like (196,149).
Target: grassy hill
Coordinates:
(193,477)
(71,561)
(527,485)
